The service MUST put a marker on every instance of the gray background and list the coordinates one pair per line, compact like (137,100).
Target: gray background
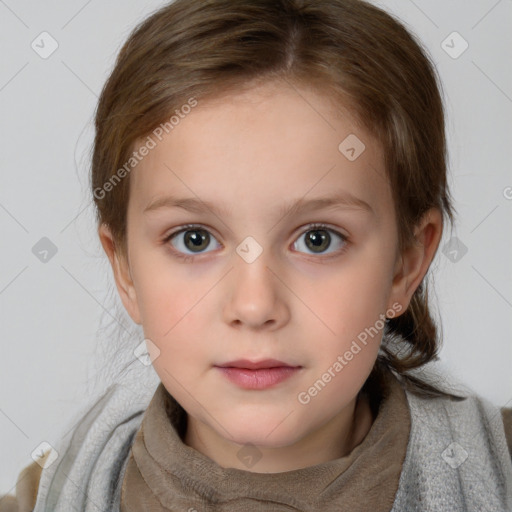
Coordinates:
(55,357)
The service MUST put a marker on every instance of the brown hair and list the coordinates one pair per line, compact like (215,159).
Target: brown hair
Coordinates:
(349,49)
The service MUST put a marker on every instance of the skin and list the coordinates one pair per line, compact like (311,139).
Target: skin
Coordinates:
(251,153)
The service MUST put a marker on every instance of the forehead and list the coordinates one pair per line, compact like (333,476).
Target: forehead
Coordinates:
(255,148)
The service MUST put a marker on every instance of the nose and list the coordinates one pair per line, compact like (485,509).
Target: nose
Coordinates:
(256,298)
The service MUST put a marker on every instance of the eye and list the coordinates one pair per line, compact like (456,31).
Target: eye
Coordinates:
(318,238)
(196,239)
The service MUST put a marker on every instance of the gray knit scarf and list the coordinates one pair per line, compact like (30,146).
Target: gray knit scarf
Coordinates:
(457,457)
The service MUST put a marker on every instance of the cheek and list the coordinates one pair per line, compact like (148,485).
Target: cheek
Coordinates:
(174,313)
(350,307)
(166,291)
(352,298)
(175,318)
(173,308)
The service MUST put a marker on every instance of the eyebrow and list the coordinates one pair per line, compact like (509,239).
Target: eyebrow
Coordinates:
(340,200)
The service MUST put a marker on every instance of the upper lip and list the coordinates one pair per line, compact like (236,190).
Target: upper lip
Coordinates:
(254,365)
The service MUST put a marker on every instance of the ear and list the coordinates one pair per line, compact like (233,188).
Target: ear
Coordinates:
(121,271)
(413,263)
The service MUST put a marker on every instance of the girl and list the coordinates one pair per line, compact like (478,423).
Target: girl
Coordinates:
(270,185)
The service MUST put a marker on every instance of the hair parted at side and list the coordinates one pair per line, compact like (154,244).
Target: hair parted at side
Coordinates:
(352,51)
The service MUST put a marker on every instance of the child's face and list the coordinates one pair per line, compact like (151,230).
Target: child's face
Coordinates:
(305,301)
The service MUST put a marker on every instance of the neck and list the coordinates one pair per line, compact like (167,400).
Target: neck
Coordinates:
(333,440)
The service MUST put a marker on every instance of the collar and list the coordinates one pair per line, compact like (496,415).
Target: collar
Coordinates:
(164,473)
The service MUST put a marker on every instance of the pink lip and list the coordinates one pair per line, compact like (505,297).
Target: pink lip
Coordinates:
(254,365)
(258,379)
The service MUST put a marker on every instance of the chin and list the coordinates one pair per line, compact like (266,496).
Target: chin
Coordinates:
(263,434)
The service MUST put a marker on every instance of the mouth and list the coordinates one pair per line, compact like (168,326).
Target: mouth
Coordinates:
(257,375)
(256,365)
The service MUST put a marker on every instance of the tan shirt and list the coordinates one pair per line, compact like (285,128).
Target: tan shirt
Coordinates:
(163,473)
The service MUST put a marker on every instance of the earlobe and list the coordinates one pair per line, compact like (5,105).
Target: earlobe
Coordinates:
(414,262)
(122,274)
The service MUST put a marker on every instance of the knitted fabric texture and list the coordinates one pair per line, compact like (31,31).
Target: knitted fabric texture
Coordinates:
(457,457)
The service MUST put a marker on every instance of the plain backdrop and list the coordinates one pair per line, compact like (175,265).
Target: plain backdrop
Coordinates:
(50,311)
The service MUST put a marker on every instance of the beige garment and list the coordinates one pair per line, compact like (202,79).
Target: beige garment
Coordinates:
(26,489)
(390,416)
(163,473)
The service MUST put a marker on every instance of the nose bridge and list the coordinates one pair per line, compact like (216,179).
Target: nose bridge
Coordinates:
(254,299)
(252,263)
(250,250)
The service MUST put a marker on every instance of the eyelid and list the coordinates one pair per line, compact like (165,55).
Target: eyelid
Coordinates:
(322,225)
(186,227)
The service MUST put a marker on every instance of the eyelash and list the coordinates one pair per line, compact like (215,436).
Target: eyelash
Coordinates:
(315,226)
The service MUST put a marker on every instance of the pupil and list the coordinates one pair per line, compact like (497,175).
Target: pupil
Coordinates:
(318,240)
(197,240)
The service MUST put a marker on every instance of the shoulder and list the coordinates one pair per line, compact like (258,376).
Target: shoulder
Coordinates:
(467,413)
(506,415)
(27,485)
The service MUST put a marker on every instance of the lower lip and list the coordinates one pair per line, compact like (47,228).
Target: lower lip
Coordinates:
(258,379)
